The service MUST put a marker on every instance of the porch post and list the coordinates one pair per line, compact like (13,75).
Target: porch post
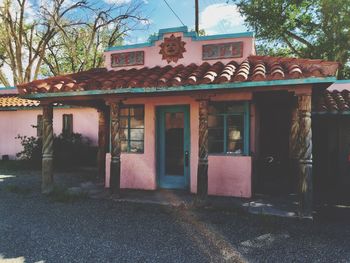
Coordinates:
(304,153)
(102,141)
(47,150)
(115,151)
(202,171)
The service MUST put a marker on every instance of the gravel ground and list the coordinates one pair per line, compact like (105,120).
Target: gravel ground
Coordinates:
(35,228)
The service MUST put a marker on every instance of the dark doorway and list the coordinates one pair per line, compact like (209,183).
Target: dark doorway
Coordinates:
(274,119)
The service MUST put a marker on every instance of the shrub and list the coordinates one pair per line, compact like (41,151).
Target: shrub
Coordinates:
(69,150)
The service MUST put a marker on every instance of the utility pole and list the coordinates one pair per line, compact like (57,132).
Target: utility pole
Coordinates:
(196,16)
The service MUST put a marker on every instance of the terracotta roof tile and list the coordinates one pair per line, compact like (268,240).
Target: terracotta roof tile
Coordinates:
(255,68)
(333,102)
(14,101)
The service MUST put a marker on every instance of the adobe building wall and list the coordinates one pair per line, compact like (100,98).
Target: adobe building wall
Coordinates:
(12,123)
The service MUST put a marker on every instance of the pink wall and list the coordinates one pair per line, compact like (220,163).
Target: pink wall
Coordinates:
(12,123)
(193,52)
(228,175)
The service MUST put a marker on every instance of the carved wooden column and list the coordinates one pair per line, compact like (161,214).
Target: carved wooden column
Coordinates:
(47,150)
(301,152)
(102,141)
(202,171)
(115,151)
(304,152)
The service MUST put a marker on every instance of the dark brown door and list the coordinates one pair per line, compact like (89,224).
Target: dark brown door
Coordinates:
(273,175)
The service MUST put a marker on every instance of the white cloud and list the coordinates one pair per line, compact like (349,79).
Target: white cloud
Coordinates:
(220,18)
(117,2)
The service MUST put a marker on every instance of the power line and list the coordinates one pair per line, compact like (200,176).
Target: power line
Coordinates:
(174,12)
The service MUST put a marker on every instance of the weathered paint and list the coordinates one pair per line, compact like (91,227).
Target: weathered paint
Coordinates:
(138,170)
(12,123)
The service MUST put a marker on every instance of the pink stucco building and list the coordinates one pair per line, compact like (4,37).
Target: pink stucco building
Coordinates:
(199,113)
(18,116)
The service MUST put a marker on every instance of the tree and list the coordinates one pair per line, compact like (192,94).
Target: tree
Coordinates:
(302,28)
(35,36)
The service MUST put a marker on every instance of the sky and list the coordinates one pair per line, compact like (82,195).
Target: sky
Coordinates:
(216,17)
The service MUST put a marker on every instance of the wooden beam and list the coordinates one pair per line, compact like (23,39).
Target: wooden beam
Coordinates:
(47,150)
(115,151)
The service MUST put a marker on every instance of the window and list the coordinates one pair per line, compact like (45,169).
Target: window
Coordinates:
(39,126)
(67,127)
(132,129)
(227,128)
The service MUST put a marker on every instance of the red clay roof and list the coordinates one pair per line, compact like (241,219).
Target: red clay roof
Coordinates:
(333,102)
(14,101)
(255,68)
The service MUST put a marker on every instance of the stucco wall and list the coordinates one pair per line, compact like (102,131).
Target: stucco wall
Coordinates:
(193,52)
(12,123)
(228,175)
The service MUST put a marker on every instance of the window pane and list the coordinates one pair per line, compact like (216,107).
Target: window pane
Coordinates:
(216,134)
(136,134)
(136,123)
(216,146)
(235,147)
(124,122)
(136,147)
(215,121)
(124,111)
(124,146)
(234,108)
(235,134)
(123,134)
(216,108)
(137,112)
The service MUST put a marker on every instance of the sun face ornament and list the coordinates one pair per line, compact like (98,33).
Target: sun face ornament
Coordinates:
(172,49)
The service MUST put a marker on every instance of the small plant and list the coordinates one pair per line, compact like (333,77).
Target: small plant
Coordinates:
(18,190)
(62,195)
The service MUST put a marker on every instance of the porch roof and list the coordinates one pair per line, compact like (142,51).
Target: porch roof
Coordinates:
(255,71)
(9,102)
(333,102)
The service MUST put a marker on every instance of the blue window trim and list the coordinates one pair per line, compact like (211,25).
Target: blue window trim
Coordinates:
(246,129)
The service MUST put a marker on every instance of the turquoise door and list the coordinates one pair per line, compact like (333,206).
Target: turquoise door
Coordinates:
(173,147)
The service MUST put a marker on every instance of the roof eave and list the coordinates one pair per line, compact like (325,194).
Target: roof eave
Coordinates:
(148,90)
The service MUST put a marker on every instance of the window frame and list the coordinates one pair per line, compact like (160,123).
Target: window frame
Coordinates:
(245,113)
(128,117)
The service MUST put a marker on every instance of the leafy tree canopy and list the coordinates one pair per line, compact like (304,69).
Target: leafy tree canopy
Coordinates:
(301,28)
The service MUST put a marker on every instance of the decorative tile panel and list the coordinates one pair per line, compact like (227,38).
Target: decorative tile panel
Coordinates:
(127,59)
(224,50)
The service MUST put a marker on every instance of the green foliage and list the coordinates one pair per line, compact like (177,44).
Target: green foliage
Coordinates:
(62,195)
(18,189)
(302,28)
(69,150)
(31,149)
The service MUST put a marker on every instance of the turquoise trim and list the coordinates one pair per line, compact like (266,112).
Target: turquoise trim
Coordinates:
(342,81)
(191,34)
(172,181)
(8,88)
(224,36)
(150,90)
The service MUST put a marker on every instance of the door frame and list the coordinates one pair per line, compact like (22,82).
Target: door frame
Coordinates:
(187,141)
